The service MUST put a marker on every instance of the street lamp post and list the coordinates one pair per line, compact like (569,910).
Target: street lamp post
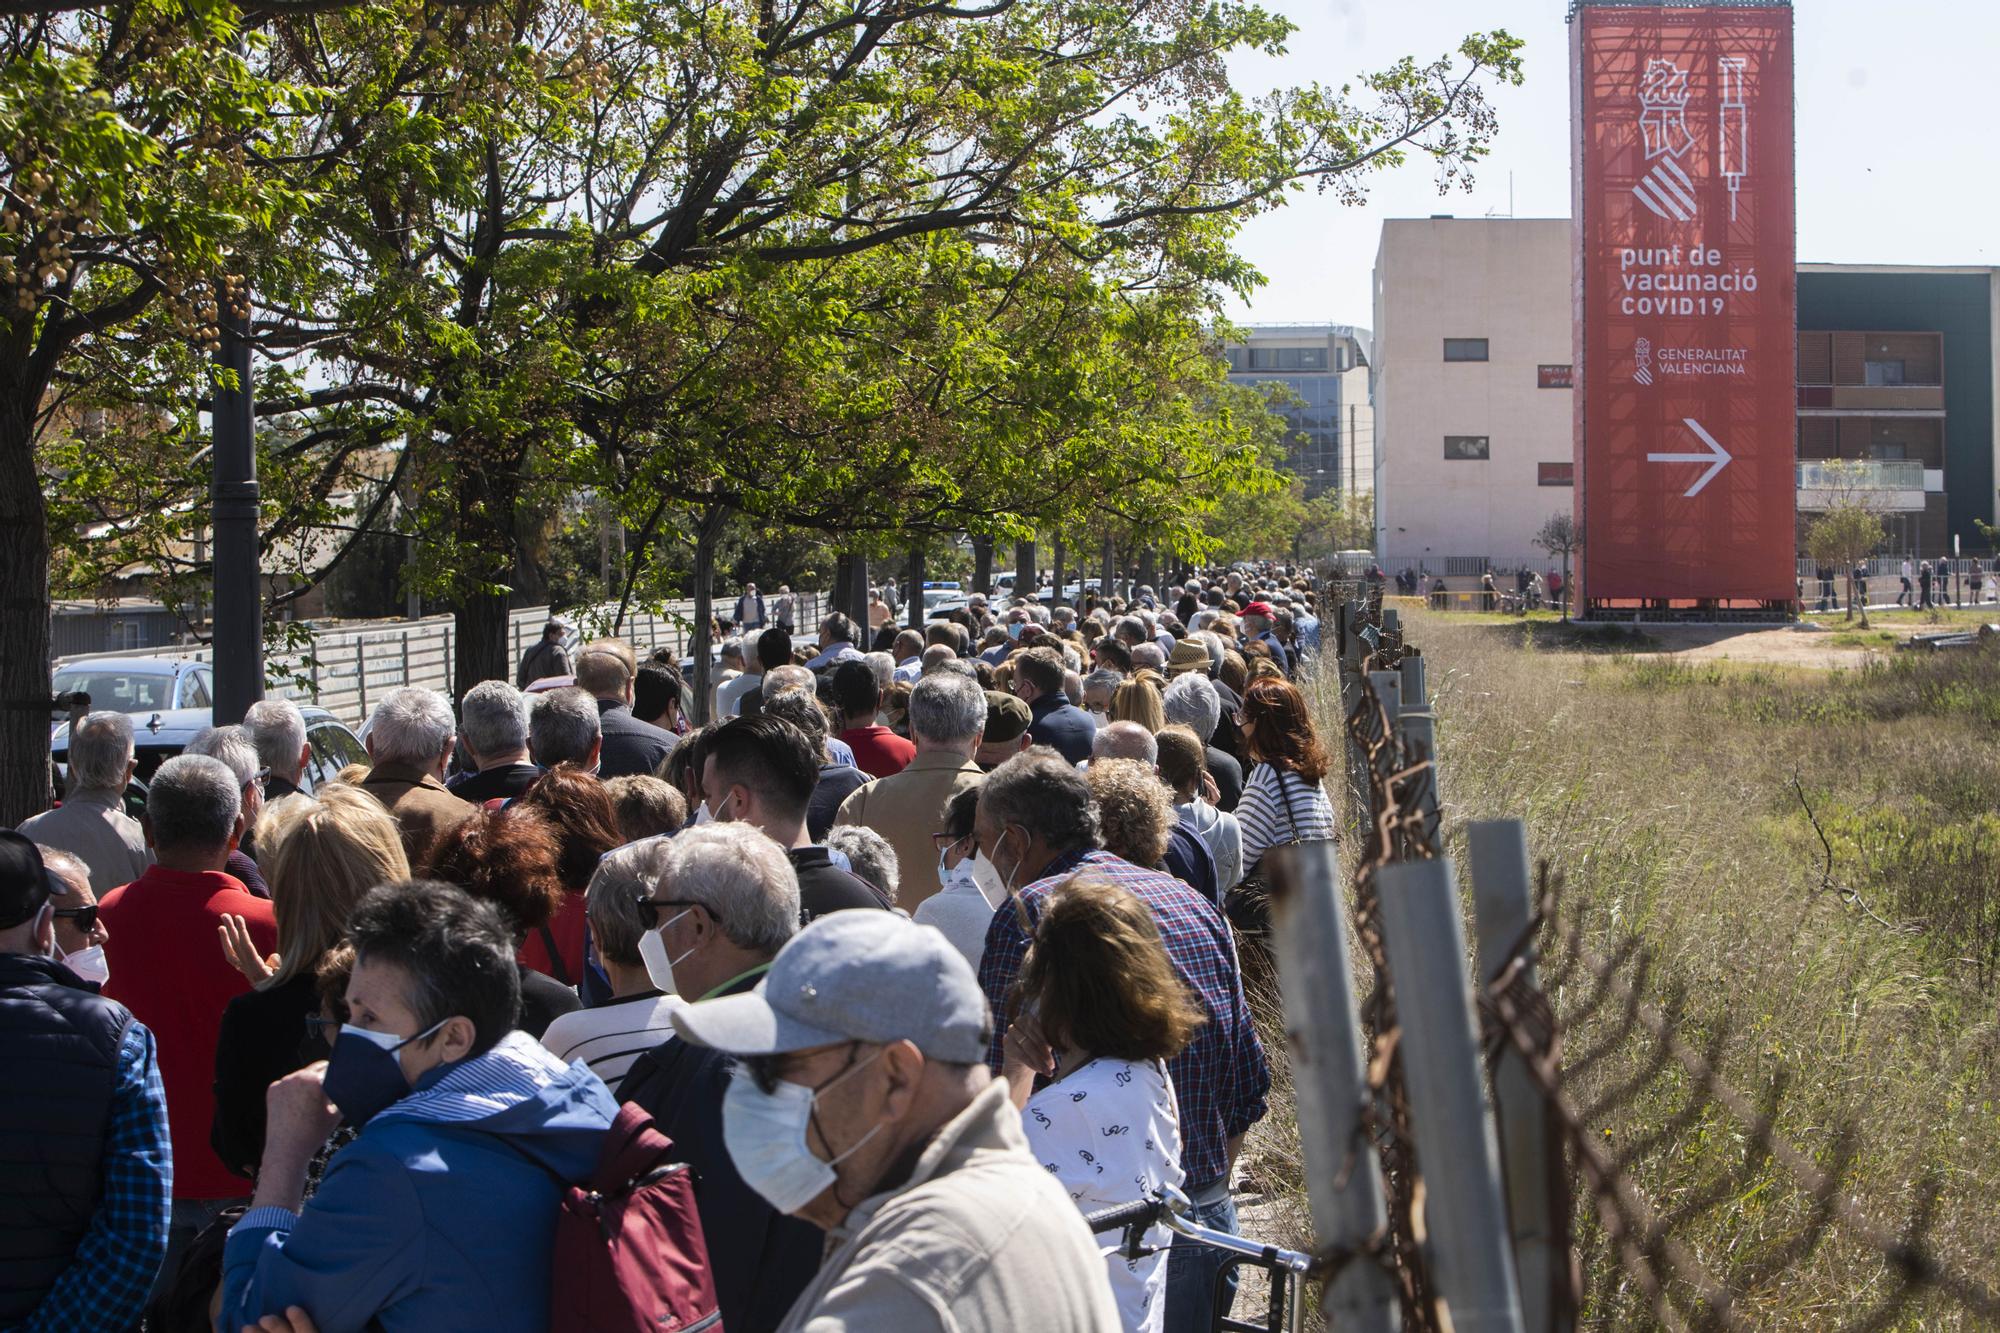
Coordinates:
(237,631)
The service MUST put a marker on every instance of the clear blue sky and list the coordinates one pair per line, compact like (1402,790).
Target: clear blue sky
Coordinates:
(1869,189)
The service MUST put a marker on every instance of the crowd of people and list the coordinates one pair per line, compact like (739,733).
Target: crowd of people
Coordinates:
(922,946)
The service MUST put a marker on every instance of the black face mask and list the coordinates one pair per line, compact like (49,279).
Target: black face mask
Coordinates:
(363,1076)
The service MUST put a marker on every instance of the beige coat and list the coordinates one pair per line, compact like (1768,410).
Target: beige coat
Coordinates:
(906,808)
(979,1237)
(424,809)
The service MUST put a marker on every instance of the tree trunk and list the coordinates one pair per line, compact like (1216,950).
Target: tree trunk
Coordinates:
(1107,582)
(1147,568)
(708,531)
(479,648)
(843,583)
(24,622)
(1024,569)
(916,608)
(1057,600)
(857,596)
(982,566)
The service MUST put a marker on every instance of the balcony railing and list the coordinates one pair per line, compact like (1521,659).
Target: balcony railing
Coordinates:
(1862,475)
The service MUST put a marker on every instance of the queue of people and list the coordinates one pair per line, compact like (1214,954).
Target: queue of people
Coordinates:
(912,957)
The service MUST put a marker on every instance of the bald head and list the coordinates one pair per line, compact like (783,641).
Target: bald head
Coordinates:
(1125,740)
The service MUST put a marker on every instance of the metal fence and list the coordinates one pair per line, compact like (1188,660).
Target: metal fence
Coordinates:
(346,668)
(1456,1173)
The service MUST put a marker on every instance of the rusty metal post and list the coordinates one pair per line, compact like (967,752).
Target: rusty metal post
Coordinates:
(1456,1146)
(1503,906)
(1322,1034)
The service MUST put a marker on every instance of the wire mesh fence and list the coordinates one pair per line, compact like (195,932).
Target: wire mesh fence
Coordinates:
(1575,1035)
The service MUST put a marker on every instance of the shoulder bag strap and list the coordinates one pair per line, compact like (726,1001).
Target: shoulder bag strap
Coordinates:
(1285,792)
(557,968)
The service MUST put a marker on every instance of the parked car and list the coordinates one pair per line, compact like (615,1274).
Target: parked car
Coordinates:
(138,684)
(166,733)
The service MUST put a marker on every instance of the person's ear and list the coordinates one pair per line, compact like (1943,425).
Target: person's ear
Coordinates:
(904,1064)
(305,757)
(455,1038)
(596,749)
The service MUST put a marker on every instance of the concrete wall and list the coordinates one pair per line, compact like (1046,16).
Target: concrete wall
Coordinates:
(1503,279)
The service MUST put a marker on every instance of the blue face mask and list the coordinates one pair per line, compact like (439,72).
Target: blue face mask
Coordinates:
(363,1076)
(1014,630)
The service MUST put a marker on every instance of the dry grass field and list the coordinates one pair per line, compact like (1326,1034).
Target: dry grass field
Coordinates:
(1667,793)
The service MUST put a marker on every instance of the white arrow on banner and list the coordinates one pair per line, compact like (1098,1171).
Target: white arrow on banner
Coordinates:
(1717,457)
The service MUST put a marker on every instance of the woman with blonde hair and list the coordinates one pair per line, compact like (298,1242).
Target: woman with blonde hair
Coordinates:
(1141,698)
(319,857)
(1101,1012)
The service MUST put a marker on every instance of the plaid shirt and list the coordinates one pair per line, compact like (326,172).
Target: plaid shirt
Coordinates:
(106,1283)
(1221,1079)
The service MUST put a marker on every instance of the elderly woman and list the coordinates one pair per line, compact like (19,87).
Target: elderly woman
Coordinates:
(510,859)
(579,809)
(1139,699)
(442,1212)
(1103,1011)
(610,1036)
(322,856)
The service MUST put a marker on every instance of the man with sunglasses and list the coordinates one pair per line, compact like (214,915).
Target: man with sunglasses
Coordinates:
(863,1105)
(84,1192)
(722,901)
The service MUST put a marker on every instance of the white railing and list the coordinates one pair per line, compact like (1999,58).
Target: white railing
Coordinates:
(350,666)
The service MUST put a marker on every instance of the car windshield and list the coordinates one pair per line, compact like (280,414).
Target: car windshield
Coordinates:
(119,691)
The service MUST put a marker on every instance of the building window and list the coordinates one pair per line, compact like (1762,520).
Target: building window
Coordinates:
(1882,374)
(1465,349)
(1263,358)
(1555,474)
(1465,448)
(1235,356)
(1552,377)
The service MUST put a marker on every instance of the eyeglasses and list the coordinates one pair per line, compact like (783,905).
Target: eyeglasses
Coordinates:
(85,917)
(654,909)
(946,841)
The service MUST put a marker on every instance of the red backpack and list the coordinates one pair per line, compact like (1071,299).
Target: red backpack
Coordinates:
(629,1253)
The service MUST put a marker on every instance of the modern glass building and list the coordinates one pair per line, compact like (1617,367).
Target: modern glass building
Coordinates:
(1331,432)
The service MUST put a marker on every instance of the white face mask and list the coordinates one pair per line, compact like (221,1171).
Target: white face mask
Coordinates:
(991,886)
(653,953)
(702,814)
(88,964)
(765,1134)
(950,877)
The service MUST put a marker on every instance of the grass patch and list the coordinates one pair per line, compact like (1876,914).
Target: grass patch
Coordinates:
(1662,789)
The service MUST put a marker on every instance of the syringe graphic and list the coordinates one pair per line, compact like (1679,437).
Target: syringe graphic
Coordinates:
(1734,154)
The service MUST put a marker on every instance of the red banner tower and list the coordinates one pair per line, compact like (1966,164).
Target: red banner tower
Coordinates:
(1686,412)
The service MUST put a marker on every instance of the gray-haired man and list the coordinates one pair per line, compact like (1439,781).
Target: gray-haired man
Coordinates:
(278,730)
(91,822)
(863,1106)
(410,738)
(947,717)
(493,727)
(723,901)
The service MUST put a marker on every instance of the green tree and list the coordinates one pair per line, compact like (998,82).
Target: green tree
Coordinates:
(1849,528)
(1562,536)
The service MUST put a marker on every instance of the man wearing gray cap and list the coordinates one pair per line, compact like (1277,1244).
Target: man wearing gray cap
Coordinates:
(862,1104)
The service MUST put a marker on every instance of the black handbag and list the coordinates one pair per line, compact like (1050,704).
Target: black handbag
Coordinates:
(1248,904)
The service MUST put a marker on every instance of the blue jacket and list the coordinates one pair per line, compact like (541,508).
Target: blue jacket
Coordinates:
(441,1214)
(1060,723)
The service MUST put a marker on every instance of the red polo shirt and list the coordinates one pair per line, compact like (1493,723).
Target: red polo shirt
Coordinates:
(168,968)
(878,751)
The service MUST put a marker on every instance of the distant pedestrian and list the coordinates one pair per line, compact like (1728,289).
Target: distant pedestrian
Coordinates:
(786,609)
(1488,594)
(749,609)
(1924,585)
(1903,597)
(1861,584)
(547,657)
(1976,577)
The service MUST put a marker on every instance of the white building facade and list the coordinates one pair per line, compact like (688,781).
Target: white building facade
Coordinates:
(1473,414)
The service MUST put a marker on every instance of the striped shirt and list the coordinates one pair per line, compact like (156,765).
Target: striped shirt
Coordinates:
(1278,807)
(610,1037)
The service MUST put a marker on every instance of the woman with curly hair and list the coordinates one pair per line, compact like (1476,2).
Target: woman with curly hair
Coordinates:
(1101,1012)
(579,808)
(1284,800)
(511,858)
